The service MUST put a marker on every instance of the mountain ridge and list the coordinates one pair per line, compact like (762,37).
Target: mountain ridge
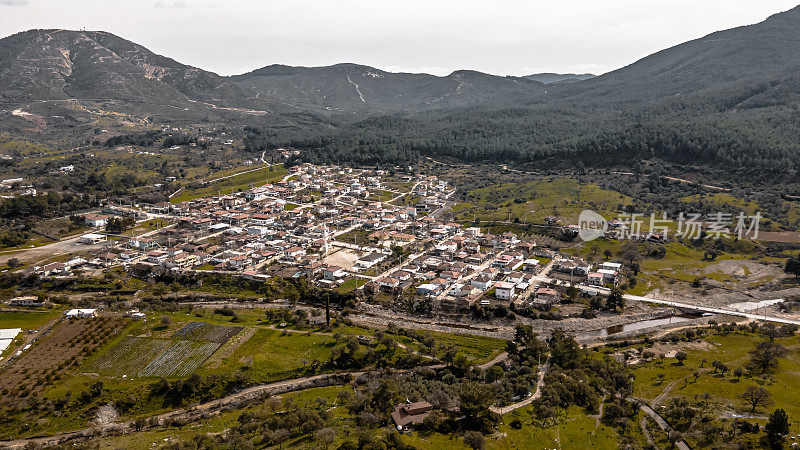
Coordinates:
(728,91)
(551,77)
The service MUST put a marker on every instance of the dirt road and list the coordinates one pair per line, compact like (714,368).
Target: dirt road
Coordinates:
(236,400)
(529,400)
(35,254)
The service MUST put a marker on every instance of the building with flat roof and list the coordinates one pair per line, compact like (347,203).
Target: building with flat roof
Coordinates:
(92,238)
(81,313)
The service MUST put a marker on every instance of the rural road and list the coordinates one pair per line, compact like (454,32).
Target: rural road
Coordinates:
(529,400)
(663,425)
(34,254)
(238,398)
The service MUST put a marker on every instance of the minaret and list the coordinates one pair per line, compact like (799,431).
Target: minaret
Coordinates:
(325,246)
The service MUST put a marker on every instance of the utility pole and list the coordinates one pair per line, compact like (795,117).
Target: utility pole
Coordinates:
(328,309)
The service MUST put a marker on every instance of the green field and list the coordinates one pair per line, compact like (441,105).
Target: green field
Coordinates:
(351,285)
(27,320)
(146,357)
(728,202)
(229,185)
(229,172)
(268,356)
(575,430)
(535,200)
(733,350)
(480,349)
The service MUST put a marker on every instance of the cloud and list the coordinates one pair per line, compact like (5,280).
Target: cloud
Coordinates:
(166,4)
(13,2)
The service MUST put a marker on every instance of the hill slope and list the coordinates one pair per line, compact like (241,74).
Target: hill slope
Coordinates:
(52,79)
(550,78)
(351,88)
(727,98)
(726,101)
(746,54)
(62,64)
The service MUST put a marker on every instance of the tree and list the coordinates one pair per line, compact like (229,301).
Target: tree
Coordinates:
(461,362)
(328,310)
(770,330)
(571,293)
(325,436)
(474,402)
(615,300)
(280,436)
(13,263)
(493,374)
(719,366)
(474,439)
(777,427)
(765,355)
(756,396)
(165,321)
(681,357)
(792,266)
(738,372)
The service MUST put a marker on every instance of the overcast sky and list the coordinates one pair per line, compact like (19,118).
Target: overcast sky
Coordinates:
(504,37)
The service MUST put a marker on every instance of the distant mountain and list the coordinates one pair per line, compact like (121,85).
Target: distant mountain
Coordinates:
(550,78)
(62,64)
(727,101)
(729,97)
(351,88)
(73,76)
(742,55)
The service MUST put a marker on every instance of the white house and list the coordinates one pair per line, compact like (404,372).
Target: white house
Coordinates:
(482,282)
(427,289)
(333,273)
(504,290)
(545,296)
(595,279)
(609,276)
(610,266)
(81,313)
(365,262)
(95,220)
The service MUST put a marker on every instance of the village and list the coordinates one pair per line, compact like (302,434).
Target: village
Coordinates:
(415,292)
(343,229)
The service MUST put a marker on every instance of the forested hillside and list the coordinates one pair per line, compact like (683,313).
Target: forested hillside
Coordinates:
(728,101)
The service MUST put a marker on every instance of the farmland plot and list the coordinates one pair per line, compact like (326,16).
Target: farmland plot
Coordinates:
(181,358)
(64,347)
(130,356)
(202,331)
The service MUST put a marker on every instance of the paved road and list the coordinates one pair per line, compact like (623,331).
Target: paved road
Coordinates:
(685,306)
(711,309)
